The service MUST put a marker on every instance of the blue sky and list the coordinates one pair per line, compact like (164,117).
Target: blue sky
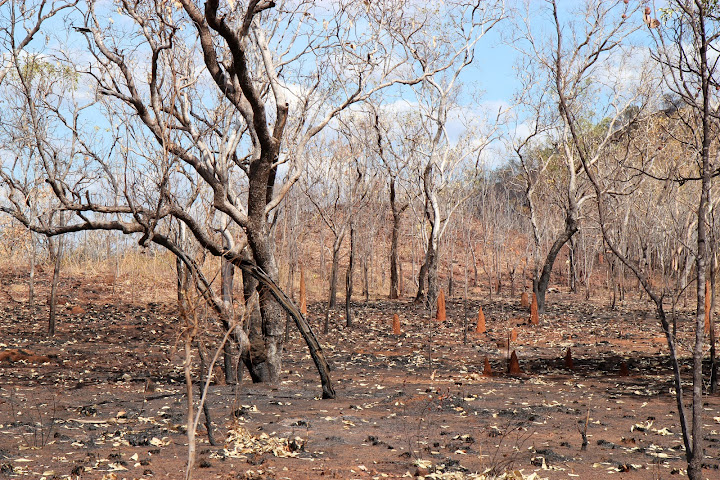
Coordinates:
(494,68)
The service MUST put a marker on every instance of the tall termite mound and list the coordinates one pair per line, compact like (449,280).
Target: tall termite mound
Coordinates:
(514,365)
(487,369)
(441,307)
(480,322)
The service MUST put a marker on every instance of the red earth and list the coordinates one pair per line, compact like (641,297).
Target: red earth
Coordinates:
(111,401)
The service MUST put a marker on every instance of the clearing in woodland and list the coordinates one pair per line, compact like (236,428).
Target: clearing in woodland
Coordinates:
(106,399)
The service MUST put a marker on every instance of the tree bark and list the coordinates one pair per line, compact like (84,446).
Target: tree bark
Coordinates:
(332,300)
(254,272)
(227,274)
(572,266)
(713,360)
(695,456)
(540,283)
(56,254)
(394,238)
(431,267)
(349,280)
(31,283)
(366,278)
(254,358)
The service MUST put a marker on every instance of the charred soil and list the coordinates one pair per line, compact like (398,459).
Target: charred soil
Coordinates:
(105,398)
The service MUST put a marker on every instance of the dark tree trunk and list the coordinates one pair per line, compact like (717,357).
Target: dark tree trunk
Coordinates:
(572,267)
(291,293)
(227,274)
(429,270)
(713,360)
(366,279)
(433,287)
(254,358)
(512,281)
(56,254)
(540,284)
(696,454)
(261,177)
(270,287)
(421,293)
(31,284)
(332,301)
(349,280)
(204,373)
(183,274)
(394,238)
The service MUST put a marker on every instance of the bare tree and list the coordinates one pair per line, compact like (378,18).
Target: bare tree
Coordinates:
(686,49)
(394,155)
(585,46)
(439,160)
(229,127)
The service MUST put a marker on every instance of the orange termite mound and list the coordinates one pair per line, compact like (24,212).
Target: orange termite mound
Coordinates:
(524,300)
(708,298)
(440,317)
(396,324)
(514,365)
(480,322)
(303,292)
(624,372)
(534,317)
(487,369)
(513,335)
(568,360)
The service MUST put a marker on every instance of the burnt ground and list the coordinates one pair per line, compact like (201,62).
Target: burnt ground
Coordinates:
(110,403)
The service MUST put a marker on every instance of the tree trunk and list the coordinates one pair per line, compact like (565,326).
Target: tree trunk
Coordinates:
(31,284)
(366,278)
(227,274)
(349,280)
(511,271)
(261,181)
(187,369)
(572,266)
(252,271)
(451,273)
(421,293)
(183,273)
(254,358)
(291,293)
(332,301)
(56,254)
(394,237)
(713,361)
(432,274)
(475,269)
(204,374)
(695,456)
(540,283)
